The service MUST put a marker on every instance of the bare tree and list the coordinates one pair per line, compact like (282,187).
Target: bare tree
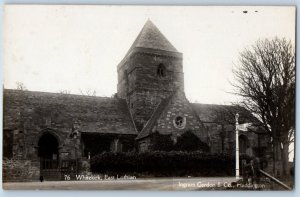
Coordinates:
(64,92)
(265,78)
(88,92)
(224,115)
(20,86)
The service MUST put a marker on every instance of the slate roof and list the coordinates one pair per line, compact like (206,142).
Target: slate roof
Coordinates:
(156,114)
(151,37)
(99,114)
(223,113)
(95,114)
(207,113)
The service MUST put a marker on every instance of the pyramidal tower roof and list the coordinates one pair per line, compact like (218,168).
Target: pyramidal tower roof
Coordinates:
(151,37)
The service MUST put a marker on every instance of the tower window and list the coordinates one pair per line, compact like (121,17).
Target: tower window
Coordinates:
(161,70)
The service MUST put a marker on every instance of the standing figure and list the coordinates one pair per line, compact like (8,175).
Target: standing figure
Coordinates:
(249,172)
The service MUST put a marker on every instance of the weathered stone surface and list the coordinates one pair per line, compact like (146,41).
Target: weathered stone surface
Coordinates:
(150,104)
(30,115)
(31,110)
(138,79)
(143,88)
(177,105)
(20,170)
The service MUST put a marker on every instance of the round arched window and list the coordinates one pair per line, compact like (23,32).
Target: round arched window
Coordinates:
(161,70)
(179,122)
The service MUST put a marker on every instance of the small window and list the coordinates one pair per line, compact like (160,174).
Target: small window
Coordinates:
(179,122)
(161,70)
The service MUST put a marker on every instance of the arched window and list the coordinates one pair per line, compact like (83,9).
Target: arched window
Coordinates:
(161,70)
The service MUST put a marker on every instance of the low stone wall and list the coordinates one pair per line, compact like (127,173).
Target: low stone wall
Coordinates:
(20,170)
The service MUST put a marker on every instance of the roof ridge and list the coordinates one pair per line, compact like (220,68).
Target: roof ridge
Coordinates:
(157,112)
(96,115)
(131,117)
(6,90)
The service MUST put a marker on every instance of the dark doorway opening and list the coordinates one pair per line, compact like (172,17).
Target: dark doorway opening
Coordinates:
(8,143)
(243,144)
(161,70)
(48,151)
(95,144)
(190,142)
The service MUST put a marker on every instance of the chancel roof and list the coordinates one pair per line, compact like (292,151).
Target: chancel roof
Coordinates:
(224,114)
(94,114)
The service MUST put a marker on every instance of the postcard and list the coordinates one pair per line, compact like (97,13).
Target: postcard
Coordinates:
(177,98)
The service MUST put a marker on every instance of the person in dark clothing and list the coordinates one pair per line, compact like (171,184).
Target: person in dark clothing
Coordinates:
(41,178)
(256,166)
(249,171)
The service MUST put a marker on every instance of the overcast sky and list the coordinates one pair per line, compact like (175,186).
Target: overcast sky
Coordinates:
(55,48)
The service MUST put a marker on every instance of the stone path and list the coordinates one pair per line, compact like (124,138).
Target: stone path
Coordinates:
(204,183)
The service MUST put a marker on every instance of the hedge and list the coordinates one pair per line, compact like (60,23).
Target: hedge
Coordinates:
(164,164)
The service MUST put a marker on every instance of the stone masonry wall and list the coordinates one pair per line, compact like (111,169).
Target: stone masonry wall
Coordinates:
(29,115)
(143,88)
(180,106)
(20,170)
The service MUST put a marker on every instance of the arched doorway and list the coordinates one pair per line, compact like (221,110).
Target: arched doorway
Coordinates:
(48,152)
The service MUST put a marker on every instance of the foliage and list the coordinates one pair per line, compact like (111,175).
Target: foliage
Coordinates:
(265,78)
(188,141)
(64,92)
(166,164)
(88,92)
(20,86)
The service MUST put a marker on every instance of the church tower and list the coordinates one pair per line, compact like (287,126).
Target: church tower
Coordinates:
(150,71)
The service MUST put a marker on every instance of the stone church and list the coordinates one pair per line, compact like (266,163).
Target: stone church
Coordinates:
(49,132)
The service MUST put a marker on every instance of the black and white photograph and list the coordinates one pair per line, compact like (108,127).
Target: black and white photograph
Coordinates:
(141,97)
